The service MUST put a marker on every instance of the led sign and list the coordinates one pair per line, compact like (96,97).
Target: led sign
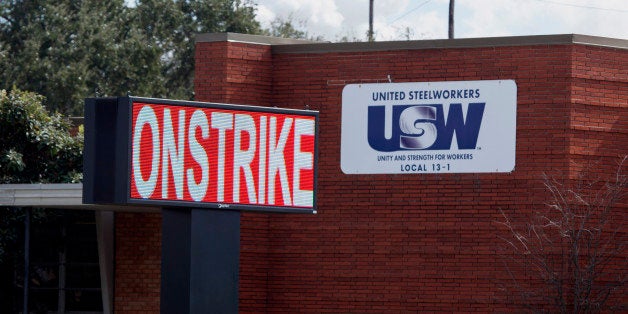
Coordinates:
(207,155)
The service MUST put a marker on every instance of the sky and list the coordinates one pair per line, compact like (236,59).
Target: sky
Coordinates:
(428,19)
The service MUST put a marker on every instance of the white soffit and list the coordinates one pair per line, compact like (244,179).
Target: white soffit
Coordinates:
(56,195)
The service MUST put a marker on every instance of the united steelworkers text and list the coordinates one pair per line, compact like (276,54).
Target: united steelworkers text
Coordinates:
(222,156)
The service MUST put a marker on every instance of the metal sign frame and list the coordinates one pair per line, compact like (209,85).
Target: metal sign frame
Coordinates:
(108,153)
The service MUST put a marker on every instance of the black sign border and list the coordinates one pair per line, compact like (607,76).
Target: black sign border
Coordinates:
(107,154)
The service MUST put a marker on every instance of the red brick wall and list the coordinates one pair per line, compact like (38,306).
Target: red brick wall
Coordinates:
(399,243)
(599,113)
(234,73)
(404,243)
(137,263)
(599,129)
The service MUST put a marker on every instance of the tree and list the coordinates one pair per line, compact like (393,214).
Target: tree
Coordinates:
(170,27)
(35,146)
(569,256)
(286,28)
(68,50)
(290,27)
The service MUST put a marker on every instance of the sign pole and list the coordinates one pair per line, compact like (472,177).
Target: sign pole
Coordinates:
(175,260)
(200,261)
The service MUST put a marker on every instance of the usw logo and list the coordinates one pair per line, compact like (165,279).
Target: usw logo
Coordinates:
(425,127)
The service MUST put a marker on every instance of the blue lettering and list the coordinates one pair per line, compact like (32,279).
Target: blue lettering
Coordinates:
(418,127)
(466,131)
(378,96)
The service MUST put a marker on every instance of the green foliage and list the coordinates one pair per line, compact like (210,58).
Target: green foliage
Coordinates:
(36,146)
(68,50)
(61,49)
(286,28)
(290,28)
(170,25)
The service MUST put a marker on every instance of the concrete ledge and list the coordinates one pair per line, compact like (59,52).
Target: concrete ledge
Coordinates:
(249,39)
(285,45)
(600,41)
(514,41)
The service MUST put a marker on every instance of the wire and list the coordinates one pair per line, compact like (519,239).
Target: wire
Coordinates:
(582,6)
(411,10)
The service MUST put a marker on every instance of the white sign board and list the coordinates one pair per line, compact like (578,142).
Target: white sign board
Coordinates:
(436,127)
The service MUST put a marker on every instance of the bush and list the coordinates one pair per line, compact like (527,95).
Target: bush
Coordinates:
(36,146)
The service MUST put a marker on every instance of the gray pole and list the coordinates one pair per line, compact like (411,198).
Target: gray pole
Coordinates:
(200,260)
(27,240)
(452,3)
(370,34)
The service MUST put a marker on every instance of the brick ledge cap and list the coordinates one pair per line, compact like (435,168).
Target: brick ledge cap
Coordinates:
(248,38)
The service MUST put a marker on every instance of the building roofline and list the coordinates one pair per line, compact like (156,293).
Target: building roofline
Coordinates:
(57,195)
(284,45)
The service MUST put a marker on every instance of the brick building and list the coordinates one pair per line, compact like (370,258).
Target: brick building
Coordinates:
(398,243)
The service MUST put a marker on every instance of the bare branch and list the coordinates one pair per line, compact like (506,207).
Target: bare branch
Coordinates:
(574,246)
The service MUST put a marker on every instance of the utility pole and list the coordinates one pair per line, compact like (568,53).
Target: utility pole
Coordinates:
(452,3)
(370,34)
